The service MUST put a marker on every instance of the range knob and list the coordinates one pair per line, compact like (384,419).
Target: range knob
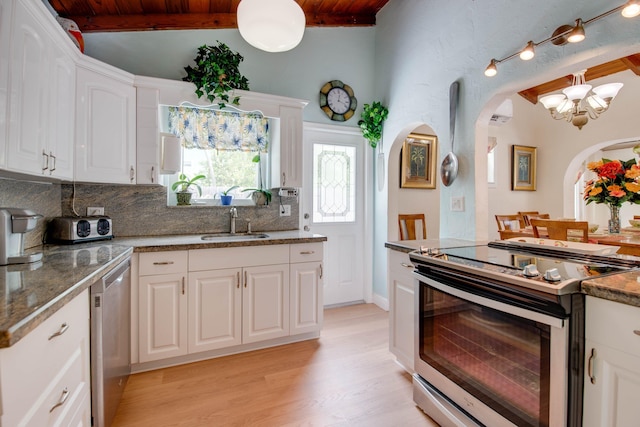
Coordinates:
(530,271)
(552,275)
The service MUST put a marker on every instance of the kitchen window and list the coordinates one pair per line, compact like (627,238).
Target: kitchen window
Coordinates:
(229,148)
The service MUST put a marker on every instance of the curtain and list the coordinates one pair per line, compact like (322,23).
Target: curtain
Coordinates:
(220,130)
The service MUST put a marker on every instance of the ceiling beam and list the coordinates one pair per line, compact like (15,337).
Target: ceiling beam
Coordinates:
(199,21)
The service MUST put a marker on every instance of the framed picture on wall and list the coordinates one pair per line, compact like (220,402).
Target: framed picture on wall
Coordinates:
(418,161)
(523,167)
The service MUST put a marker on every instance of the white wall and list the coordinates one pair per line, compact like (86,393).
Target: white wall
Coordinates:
(324,54)
(424,45)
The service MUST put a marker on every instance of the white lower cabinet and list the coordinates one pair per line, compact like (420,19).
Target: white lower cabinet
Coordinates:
(401,308)
(612,365)
(45,378)
(210,299)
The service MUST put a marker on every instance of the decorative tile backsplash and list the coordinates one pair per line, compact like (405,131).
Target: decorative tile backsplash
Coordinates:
(137,210)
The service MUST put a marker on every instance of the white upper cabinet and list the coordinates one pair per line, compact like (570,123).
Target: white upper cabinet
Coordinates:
(5,34)
(105,125)
(41,82)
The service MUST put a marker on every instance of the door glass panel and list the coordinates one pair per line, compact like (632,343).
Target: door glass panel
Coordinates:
(334,180)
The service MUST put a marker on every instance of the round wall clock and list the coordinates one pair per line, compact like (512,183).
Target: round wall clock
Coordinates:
(337,100)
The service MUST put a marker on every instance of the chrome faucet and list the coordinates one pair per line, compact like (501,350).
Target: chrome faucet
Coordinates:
(234,215)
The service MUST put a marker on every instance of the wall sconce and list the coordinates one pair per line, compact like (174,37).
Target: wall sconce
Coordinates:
(564,34)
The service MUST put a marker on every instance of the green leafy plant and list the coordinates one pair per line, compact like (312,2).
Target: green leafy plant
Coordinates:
(228,190)
(267,193)
(371,121)
(184,183)
(216,73)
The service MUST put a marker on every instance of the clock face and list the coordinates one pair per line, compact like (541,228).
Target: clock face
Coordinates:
(337,100)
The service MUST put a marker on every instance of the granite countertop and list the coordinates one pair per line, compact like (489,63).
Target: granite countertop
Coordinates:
(30,293)
(622,287)
(186,242)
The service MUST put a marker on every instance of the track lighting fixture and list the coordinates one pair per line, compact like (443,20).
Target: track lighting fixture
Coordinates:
(565,34)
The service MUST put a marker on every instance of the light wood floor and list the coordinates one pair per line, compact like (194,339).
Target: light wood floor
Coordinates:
(345,378)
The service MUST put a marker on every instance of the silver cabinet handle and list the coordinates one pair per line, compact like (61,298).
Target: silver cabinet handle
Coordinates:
(245,278)
(182,285)
(63,398)
(54,163)
(62,330)
(153,171)
(132,174)
(404,264)
(307,252)
(590,368)
(284,179)
(45,161)
(163,263)
(238,280)
(321,271)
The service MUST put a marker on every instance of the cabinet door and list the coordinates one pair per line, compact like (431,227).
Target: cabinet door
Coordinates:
(105,129)
(162,315)
(305,297)
(290,148)
(62,114)
(612,398)
(401,308)
(265,303)
(6,8)
(215,309)
(28,100)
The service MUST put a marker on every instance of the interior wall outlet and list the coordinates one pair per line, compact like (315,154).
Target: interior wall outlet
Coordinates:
(457,204)
(285,210)
(93,211)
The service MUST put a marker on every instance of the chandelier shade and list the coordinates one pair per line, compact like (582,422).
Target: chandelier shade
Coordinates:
(580,101)
(271,25)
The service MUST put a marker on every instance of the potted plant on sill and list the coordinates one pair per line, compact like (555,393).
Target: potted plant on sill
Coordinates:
(216,74)
(182,186)
(261,196)
(225,197)
(371,121)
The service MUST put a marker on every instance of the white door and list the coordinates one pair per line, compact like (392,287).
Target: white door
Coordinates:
(333,201)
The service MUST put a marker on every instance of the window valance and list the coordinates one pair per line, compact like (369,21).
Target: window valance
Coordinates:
(220,130)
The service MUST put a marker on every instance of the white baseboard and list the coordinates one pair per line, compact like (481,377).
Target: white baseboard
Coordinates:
(381,302)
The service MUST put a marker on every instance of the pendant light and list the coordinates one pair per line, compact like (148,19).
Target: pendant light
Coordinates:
(271,25)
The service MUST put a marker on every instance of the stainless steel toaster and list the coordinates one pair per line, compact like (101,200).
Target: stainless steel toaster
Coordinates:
(68,229)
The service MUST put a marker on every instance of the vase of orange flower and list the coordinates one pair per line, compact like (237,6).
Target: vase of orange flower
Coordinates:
(617,182)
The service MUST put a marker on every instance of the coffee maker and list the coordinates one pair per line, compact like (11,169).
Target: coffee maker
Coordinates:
(14,223)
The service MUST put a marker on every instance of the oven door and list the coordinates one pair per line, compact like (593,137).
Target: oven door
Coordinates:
(502,364)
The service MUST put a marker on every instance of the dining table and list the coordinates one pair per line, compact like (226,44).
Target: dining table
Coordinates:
(628,240)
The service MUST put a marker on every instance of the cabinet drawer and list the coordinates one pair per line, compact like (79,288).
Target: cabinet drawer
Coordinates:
(62,396)
(246,256)
(613,324)
(152,263)
(29,367)
(399,262)
(304,252)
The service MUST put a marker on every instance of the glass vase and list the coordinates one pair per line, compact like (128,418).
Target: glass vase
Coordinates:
(614,220)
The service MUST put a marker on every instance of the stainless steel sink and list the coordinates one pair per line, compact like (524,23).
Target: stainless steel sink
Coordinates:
(235,236)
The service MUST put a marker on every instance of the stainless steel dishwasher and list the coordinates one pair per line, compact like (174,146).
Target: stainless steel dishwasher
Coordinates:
(110,342)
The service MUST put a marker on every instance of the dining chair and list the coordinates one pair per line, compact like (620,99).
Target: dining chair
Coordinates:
(510,222)
(524,214)
(407,224)
(528,217)
(559,229)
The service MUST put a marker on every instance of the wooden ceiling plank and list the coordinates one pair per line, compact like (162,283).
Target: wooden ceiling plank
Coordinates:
(633,63)
(103,7)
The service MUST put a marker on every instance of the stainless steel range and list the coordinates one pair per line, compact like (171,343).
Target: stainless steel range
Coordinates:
(500,331)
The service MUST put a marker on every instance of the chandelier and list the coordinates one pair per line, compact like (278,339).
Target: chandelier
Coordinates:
(580,102)
(271,25)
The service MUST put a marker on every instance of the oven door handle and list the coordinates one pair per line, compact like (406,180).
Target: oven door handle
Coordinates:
(497,305)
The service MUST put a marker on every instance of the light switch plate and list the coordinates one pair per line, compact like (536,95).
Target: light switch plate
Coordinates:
(95,211)
(457,204)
